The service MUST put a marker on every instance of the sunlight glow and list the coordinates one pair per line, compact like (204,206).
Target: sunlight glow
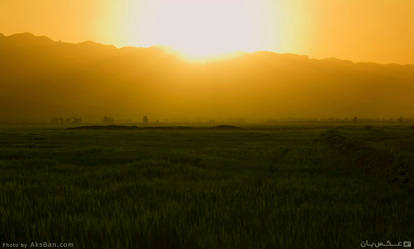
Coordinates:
(201,29)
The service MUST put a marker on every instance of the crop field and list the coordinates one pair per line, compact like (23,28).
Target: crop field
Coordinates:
(292,186)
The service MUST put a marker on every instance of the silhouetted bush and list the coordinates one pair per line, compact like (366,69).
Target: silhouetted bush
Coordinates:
(368,127)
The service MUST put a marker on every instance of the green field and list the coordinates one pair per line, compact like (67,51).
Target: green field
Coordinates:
(296,186)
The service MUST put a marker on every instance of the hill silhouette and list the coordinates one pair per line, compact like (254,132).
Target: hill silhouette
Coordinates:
(41,78)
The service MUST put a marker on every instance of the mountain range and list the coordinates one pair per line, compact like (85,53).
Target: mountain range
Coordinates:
(41,78)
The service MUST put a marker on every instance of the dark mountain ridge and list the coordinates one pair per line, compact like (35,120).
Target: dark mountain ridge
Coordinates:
(41,78)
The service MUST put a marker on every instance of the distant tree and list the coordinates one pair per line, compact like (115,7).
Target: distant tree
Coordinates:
(54,120)
(76,120)
(355,119)
(400,119)
(58,120)
(108,120)
(145,120)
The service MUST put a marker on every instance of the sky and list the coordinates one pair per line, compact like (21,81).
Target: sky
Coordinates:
(379,31)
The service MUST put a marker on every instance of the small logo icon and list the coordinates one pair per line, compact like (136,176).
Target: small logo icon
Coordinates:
(407,244)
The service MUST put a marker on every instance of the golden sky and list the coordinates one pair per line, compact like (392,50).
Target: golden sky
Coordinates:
(360,30)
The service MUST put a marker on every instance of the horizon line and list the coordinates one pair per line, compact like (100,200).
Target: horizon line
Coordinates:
(222,56)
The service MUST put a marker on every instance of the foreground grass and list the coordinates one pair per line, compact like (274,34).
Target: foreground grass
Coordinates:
(286,187)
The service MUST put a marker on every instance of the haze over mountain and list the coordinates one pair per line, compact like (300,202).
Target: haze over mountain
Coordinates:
(41,78)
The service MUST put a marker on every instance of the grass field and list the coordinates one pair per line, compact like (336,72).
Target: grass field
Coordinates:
(284,187)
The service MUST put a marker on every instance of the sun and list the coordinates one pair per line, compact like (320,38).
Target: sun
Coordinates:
(198,29)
